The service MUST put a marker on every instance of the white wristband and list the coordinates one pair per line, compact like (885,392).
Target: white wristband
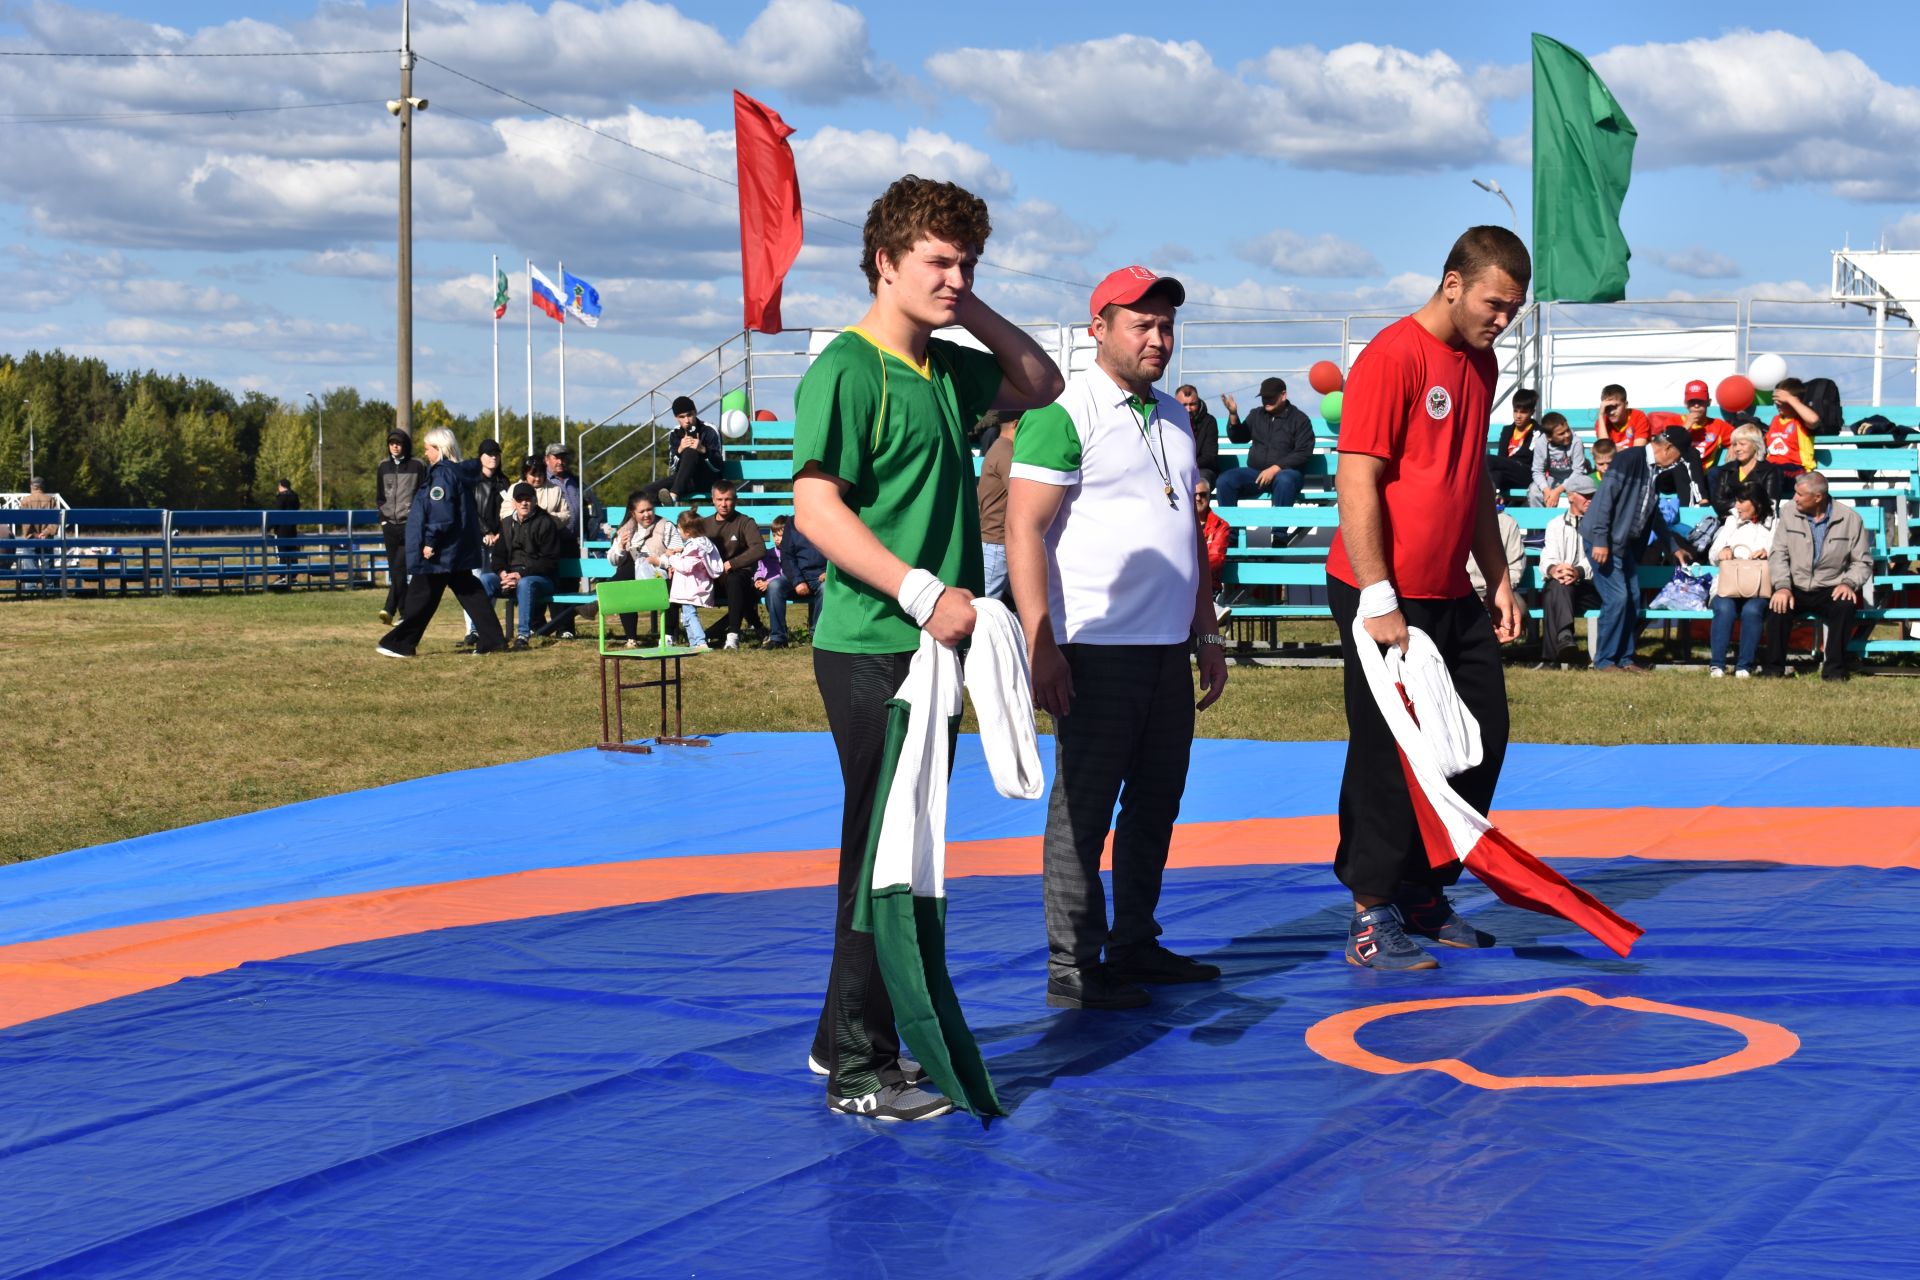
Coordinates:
(920,591)
(1378,600)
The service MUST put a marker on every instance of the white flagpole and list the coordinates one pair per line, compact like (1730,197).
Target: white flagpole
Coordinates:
(529,356)
(563,356)
(495,282)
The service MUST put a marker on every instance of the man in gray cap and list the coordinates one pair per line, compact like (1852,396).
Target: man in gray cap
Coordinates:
(1566,575)
(560,476)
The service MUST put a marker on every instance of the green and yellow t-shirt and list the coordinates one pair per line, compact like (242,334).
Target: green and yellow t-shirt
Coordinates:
(897,433)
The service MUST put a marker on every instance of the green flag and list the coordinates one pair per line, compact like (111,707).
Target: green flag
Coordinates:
(1582,160)
(499,293)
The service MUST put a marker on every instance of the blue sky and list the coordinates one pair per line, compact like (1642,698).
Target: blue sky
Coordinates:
(1279,159)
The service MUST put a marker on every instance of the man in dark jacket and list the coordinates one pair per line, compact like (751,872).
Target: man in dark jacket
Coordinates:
(805,570)
(443,550)
(395,482)
(527,556)
(489,492)
(1615,532)
(1206,430)
(1282,440)
(696,455)
(285,499)
(741,546)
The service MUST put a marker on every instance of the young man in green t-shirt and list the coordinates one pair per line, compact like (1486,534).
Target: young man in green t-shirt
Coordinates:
(884,486)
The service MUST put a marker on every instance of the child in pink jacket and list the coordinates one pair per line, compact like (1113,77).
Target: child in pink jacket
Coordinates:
(694,566)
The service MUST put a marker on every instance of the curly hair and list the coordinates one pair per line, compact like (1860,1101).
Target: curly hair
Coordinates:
(911,210)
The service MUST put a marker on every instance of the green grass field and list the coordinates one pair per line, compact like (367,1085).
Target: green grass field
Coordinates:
(132,716)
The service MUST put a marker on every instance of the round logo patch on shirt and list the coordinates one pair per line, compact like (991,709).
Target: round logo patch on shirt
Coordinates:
(1439,403)
(437,493)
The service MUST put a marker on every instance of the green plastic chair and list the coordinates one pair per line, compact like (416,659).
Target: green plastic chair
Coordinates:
(646,595)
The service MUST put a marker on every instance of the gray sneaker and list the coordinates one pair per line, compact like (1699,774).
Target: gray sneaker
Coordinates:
(1376,939)
(892,1102)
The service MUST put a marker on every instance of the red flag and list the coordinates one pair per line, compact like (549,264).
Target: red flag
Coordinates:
(770,227)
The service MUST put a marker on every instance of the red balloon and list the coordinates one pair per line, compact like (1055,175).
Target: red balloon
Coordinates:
(765,415)
(1735,393)
(1325,377)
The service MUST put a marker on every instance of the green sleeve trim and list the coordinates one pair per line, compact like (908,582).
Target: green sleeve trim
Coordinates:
(1047,440)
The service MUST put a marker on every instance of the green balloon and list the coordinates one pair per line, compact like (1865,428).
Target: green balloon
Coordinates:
(1762,397)
(1330,407)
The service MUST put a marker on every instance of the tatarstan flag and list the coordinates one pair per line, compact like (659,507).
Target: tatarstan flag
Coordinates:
(499,293)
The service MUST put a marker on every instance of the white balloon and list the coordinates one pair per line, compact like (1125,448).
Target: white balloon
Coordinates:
(734,424)
(1767,371)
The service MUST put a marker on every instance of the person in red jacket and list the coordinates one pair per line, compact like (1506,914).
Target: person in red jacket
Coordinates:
(1616,422)
(1709,435)
(1790,438)
(1218,536)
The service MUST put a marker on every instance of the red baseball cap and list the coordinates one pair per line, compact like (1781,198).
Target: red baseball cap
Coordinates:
(1129,285)
(1696,390)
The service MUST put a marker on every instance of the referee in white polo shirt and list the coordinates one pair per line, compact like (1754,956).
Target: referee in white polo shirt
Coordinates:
(1109,574)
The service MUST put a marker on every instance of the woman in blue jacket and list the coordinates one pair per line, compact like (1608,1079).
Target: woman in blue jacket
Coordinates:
(443,550)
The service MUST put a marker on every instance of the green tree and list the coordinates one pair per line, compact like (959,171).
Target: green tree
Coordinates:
(211,474)
(286,453)
(145,455)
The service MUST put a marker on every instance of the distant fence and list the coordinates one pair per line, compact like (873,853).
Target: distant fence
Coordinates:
(153,551)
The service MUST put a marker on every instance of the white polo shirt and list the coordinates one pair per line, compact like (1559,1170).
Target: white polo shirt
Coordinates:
(1123,561)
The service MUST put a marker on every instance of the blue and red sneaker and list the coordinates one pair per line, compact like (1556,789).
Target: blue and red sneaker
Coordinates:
(1429,913)
(1376,940)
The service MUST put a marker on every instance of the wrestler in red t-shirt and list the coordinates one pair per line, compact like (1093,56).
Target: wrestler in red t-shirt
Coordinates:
(1421,405)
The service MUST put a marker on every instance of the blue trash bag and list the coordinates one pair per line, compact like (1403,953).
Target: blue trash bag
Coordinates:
(1685,591)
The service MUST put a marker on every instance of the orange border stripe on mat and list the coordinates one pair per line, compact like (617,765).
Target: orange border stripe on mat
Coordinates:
(40,979)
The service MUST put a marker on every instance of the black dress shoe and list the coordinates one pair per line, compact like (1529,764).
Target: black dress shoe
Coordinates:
(1092,988)
(1158,966)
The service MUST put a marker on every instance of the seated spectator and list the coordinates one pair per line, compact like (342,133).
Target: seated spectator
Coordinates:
(489,487)
(1707,434)
(1556,457)
(576,500)
(770,580)
(1515,547)
(1282,440)
(986,431)
(696,566)
(805,570)
(741,546)
(1625,428)
(639,547)
(1821,563)
(528,555)
(546,495)
(1603,458)
(1681,483)
(1217,536)
(1615,533)
(990,491)
(697,456)
(1744,466)
(1747,534)
(1790,438)
(1512,463)
(1206,431)
(1566,575)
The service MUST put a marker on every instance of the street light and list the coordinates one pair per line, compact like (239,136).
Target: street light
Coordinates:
(1493,185)
(319,450)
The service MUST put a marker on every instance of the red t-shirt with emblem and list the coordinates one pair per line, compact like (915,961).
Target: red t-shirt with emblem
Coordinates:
(1423,406)
(1636,430)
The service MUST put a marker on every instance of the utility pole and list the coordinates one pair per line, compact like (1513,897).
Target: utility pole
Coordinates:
(404,107)
(319,453)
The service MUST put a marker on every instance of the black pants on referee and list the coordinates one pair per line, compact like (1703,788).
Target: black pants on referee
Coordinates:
(1127,738)
(1380,845)
(856,1036)
(423,598)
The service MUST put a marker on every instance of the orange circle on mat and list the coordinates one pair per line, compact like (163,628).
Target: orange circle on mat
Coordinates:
(1334,1039)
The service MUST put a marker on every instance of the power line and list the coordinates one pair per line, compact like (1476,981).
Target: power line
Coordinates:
(52,118)
(275,53)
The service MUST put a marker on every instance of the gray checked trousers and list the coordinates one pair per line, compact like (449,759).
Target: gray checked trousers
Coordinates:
(1127,739)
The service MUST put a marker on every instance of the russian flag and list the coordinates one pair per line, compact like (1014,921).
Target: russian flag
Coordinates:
(1440,745)
(544,295)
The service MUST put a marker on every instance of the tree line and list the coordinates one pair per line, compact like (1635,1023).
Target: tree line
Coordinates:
(146,439)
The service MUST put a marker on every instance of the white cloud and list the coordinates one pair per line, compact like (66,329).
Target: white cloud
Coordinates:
(1360,107)
(358,264)
(1698,262)
(151,297)
(1773,105)
(1293,254)
(1904,233)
